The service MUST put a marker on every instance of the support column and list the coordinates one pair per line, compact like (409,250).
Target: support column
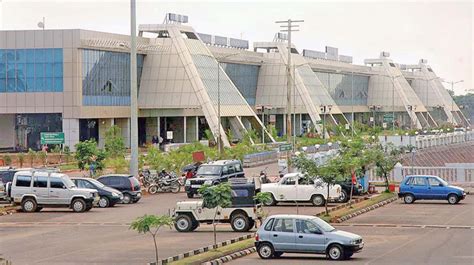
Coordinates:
(158,129)
(71,133)
(184,129)
(284,123)
(197,128)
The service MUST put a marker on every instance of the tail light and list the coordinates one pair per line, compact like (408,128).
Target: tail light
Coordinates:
(256,237)
(131,184)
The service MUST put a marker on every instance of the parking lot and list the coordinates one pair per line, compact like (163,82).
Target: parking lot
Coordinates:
(102,236)
(426,232)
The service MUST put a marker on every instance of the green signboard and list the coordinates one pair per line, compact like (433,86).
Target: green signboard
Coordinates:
(52,137)
(285,147)
(388,117)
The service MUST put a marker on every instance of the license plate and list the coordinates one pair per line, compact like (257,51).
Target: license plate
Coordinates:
(195,186)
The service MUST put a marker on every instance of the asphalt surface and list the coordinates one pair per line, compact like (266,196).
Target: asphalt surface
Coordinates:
(102,236)
(426,232)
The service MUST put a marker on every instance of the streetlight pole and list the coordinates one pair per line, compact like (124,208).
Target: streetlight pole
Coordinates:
(352,102)
(289,27)
(133,92)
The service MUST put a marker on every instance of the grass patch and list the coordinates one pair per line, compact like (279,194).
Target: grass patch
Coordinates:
(64,167)
(216,253)
(357,206)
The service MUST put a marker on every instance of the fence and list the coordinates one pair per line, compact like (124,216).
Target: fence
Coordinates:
(460,174)
(425,141)
(261,158)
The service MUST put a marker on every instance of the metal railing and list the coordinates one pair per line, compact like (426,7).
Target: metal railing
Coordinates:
(261,158)
(426,141)
(453,174)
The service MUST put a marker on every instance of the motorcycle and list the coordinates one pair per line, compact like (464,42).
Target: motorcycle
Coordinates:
(165,183)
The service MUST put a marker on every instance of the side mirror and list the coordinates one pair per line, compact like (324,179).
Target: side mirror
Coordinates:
(317,232)
(64,187)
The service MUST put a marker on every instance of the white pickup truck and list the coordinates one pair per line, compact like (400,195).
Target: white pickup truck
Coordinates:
(295,187)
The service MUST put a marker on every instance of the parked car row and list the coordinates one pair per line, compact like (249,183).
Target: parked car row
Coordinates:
(35,189)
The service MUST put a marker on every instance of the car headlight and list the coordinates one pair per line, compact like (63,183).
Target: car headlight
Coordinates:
(187,183)
(114,194)
(208,182)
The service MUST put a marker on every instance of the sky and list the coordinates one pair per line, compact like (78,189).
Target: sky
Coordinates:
(441,32)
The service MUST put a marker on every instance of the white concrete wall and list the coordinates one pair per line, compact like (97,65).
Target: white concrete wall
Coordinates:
(71,132)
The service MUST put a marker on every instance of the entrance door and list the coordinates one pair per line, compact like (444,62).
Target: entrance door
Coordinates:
(141,131)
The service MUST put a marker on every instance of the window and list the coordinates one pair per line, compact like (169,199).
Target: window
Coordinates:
(240,193)
(56,183)
(40,182)
(238,168)
(31,70)
(305,181)
(231,169)
(23,181)
(189,35)
(289,181)
(392,65)
(268,225)
(116,181)
(418,181)
(433,182)
(306,227)
(85,184)
(283,225)
(225,170)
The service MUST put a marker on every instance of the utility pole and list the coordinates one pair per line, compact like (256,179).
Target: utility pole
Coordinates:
(352,103)
(289,27)
(133,92)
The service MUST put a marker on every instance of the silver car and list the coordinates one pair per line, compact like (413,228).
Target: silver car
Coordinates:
(304,234)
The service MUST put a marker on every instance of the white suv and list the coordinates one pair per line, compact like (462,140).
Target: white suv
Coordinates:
(34,190)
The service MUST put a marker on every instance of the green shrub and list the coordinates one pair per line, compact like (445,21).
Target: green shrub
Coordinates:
(7,159)
(31,156)
(21,159)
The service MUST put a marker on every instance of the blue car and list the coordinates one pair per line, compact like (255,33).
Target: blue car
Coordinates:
(417,187)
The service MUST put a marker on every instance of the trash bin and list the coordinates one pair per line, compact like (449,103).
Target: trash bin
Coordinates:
(391,187)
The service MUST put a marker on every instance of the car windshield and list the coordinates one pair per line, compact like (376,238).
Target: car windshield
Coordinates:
(68,182)
(323,225)
(96,183)
(445,183)
(209,170)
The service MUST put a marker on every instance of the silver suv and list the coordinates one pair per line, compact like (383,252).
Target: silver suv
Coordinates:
(304,234)
(34,190)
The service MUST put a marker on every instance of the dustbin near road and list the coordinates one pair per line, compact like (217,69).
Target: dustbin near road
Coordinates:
(391,187)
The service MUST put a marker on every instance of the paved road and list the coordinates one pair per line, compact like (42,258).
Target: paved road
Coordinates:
(101,236)
(422,233)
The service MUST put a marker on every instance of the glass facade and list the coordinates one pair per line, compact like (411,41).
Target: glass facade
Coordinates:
(106,77)
(245,78)
(316,89)
(340,87)
(31,70)
(207,69)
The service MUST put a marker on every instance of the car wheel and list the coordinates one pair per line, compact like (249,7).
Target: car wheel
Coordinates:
(240,223)
(317,200)
(271,201)
(335,252)
(78,205)
(29,205)
(103,202)
(127,199)
(408,198)
(190,195)
(183,223)
(153,189)
(453,199)
(265,251)
(344,197)
(175,188)
(277,254)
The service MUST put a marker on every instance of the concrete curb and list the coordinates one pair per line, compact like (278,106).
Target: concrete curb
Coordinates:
(366,209)
(201,250)
(340,206)
(232,256)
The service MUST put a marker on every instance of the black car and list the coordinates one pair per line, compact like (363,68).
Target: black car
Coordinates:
(108,196)
(346,190)
(6,174)
(214,173)
(127,184)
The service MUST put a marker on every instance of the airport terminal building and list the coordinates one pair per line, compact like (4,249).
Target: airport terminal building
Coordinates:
(78,82)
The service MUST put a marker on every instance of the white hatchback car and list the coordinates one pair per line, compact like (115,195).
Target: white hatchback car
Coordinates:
(295,187)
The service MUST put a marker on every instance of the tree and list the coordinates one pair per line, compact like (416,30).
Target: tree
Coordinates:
(43,156)
(67,153)
(31,156)
(216,197)
(87,153)
(151,224)
(21,159)
(385,160)
(262,198)
(114,144)
(7,159)
(335,170)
